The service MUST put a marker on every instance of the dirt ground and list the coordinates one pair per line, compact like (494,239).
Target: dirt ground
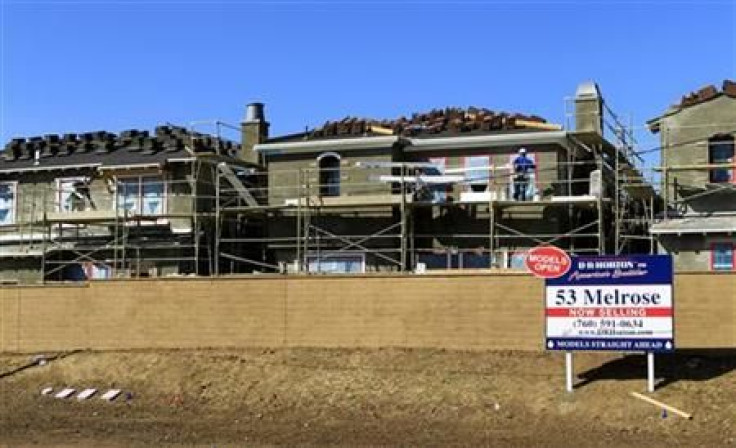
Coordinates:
(365,397)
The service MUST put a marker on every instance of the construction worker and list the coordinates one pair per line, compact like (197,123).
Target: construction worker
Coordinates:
(523,167)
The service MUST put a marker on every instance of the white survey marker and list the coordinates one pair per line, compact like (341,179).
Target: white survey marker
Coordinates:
(111,394)
(85,394)
(65,393)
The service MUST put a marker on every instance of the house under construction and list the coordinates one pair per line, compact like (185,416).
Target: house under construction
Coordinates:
(697,179)
(437,190)
(100,205)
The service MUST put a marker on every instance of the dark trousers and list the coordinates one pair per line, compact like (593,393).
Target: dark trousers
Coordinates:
(521,183)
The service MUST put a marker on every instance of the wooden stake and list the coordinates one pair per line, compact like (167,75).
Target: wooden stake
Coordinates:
(649,400)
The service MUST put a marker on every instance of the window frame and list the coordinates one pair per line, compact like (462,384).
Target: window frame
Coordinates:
(57,199)
(139,212)
(713,255)
(440,194)
(324,190)
(468,187)
(14,186)
(712,142)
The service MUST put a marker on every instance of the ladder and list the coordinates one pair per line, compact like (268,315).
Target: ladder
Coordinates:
(228,173)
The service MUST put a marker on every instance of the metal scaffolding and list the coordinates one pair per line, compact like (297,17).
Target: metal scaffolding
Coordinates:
(597,223)
(105,234)
(592,199)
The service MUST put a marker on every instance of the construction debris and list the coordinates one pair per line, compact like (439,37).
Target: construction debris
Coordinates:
(664,406)
(47,390)
(438,121)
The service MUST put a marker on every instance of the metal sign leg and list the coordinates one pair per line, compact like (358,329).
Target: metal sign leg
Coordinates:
(650,372)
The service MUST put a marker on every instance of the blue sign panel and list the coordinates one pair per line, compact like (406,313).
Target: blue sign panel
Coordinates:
(617,270)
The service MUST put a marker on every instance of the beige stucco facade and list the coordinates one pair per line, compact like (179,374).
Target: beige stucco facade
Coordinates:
(702,209)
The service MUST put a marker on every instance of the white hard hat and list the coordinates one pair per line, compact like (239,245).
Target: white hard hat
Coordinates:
(522,150)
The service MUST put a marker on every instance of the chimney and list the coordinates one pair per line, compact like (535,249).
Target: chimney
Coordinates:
(254,130)
(589,108)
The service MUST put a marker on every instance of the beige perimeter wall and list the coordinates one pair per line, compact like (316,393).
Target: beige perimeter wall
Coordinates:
(451,311)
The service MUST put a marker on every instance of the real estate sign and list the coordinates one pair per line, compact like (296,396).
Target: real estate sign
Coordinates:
(621,303)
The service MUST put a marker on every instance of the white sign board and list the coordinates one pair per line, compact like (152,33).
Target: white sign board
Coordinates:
(611,303)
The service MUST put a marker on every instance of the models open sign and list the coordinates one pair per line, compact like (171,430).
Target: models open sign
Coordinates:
(621,303)
(547,262)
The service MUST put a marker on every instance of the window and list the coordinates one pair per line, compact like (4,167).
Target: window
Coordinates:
(73,195)
(722,257)
(721,150)
(329,174)
(336,264)
(477,173)
(453,258)
(80,272)
(439,192)
(7,203)
(517,259)
(97,271)
(141,195)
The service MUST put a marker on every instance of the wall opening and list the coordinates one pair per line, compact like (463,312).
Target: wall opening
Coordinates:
(721,150)
(329,174)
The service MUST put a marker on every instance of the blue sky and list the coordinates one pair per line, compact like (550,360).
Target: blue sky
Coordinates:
(75,66)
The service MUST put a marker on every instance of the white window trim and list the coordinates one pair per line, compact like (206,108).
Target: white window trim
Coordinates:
(14,186)
(339,171)
(163,177)
(59,180)
(485,178)
(328,154)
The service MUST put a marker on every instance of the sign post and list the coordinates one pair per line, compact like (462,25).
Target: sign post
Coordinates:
(650,372)
(609,303)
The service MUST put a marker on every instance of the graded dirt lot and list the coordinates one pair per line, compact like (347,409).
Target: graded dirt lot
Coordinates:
(365,397)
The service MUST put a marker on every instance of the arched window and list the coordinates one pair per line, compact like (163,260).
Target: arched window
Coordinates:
(721,150)
(329,174)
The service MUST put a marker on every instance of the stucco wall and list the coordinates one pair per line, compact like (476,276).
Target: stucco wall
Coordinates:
(284,174)
(476,311)
(692,252)
(684,136)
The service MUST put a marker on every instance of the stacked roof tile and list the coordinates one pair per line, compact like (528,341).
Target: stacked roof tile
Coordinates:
(708,93)
(436,121)
(108,148)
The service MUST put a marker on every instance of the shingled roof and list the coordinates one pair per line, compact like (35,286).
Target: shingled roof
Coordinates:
(130,147)
(437,122)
